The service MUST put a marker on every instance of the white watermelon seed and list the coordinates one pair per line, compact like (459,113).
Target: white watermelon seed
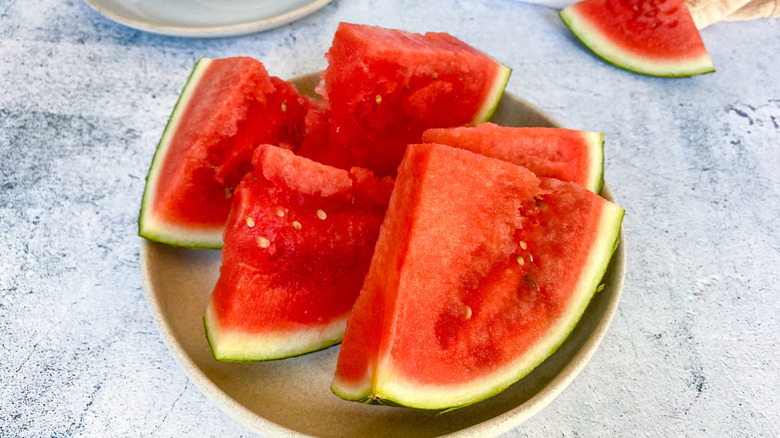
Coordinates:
(263,242)
(279,212)
(378,99)
(523,245)
(321,214)
(250,222)
(296,225)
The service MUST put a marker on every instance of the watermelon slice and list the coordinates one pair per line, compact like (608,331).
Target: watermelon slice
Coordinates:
(386,86)
(227,108)
(564,154)
(480,272)
(298,243)
(657,38)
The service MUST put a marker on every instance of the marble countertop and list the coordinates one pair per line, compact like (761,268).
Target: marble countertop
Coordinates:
(694,347)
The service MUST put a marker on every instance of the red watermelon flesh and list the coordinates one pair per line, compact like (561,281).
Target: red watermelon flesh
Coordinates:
(628,22)
(481,270)
(386,86)
(280,121)
(228,107)
(298,243)
(656,37)
(317,129)
(564,154)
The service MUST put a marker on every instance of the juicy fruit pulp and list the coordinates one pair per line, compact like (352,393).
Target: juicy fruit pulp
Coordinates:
(298,243)
(564,154)
(228,107)
(385,87)
(481,270)
(657,38)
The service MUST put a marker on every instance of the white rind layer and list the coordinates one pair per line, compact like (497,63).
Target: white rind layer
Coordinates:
(237,346)
(151,226)
(610,52)
(354,391)
(391,384)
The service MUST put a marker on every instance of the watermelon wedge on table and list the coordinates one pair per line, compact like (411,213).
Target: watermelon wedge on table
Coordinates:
(481,271)
(298,243)
(657,38)
(564,154)
(227,108)
(386,86)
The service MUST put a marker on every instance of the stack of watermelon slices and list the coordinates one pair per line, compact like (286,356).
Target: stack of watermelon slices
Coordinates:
(452,281)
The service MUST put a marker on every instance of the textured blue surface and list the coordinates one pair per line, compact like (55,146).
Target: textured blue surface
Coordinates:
(693,350)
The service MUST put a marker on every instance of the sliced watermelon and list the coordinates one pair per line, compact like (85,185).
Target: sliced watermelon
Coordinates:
(480,272)
(564,154)
(385,87)
(298,243)
(657,38)
(227,108)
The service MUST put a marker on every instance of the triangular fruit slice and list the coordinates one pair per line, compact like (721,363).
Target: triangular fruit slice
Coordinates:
(386,86)
(657,38)
(564,154)
(480,272)
(298,243)
(227,108)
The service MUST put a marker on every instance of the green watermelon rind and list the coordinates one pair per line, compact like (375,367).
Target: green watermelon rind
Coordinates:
(152,228)
(602,47)
(432,397)
(493,97)
(282,347)
(595,145)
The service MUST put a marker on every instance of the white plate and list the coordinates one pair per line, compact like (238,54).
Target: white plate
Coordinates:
(205,18)
(292,398)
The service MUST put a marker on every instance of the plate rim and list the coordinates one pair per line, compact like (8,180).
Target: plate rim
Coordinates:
(492,427)
(228,30)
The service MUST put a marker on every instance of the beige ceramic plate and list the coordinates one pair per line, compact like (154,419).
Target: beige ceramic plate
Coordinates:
(292,397)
